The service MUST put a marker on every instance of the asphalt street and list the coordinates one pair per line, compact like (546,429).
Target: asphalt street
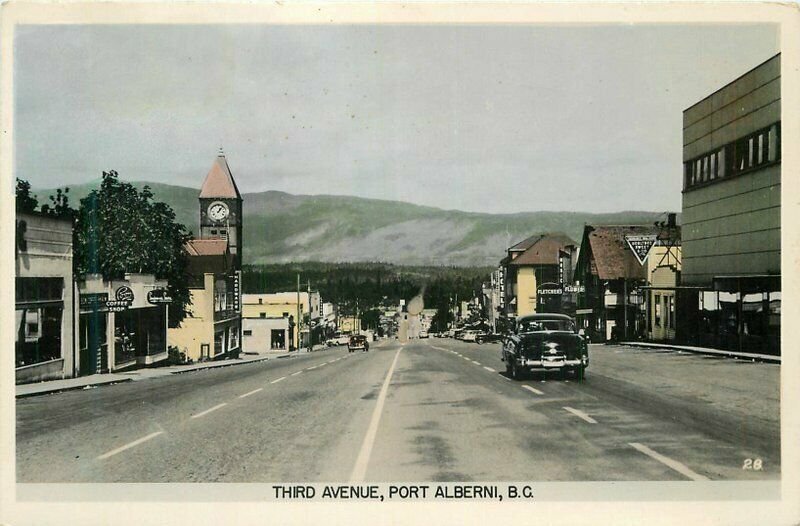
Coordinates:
(426,410)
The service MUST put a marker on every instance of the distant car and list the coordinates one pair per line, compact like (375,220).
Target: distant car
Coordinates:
(545,342)
(469,336)
(357,341)
(458,334)
(423,334)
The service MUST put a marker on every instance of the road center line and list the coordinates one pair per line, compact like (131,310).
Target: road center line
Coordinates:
(129,445)
(295,374)
(489,369)
(278,380)
(674,464)
(582,415)
(254,391)
(529,388)
(311,368)
(360,468)
(476,363)
(322,365)
(198,415)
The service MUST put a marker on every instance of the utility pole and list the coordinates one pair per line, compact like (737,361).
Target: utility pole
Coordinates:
(625,308)
(310,326)
(299,320)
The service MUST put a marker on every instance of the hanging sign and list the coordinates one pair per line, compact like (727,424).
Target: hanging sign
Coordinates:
(158,296)
(641,245)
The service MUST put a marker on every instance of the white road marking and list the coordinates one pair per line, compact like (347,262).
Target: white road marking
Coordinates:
(360,468)
(582,415)
(198,415)
(295,374)
(278,380)
(129,445)
(674,464)
(311,368)
(476,363)
(322,365)
(531,389)
(254,391)
(489,369)
(331,361)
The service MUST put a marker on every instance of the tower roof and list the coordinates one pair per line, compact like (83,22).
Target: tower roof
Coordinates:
(219,181)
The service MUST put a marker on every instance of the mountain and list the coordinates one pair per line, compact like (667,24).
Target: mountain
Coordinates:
(281,227)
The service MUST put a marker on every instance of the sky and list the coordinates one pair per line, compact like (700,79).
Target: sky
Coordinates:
(494,119)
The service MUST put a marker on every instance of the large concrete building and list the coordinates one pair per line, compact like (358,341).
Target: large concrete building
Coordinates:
(732,214)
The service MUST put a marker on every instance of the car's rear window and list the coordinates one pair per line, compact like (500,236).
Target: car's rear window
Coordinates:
(545,325)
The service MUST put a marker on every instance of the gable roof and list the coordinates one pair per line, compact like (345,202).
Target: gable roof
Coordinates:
(543,251)
(526,243)
(219,181)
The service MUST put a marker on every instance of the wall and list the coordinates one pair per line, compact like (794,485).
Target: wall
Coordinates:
(731,226)
(526,291)
(197,327)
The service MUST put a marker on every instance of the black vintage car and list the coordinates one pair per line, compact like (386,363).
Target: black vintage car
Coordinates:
(358,341)
(545,342)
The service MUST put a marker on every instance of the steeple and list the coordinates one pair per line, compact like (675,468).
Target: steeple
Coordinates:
(219,181)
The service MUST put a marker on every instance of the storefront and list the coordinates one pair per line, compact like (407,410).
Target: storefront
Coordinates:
(44,304)
(123,323)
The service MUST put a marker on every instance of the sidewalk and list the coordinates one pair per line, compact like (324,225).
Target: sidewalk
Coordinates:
(92,381)
(706,350)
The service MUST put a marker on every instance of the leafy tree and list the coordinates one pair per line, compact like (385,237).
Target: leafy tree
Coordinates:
(119,229)
(25,201)
(59,205)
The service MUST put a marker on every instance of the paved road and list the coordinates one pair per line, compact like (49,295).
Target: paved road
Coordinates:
(429,410)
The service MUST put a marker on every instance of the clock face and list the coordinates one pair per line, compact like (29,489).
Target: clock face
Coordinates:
(218,211)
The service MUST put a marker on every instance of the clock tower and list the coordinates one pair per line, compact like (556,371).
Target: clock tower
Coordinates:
(221,208)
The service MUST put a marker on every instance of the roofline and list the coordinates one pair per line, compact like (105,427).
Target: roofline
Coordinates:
(731,82)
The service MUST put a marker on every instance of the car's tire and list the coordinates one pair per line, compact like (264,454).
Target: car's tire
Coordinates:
(516,373)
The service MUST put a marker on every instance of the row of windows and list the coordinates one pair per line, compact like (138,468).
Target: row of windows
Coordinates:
(751,151)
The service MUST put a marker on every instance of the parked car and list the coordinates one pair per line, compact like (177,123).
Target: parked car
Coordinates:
(358,341)
(423,334)
(545,342)
(488,337)
(469,336)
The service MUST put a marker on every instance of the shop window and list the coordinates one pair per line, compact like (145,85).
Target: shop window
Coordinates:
(671,312)
(234,337)
(657,302)
(38,335)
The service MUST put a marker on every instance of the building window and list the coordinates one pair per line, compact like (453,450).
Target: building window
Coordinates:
(262,314)
(744,154)
(248,332)
(671,312)
(285,314)
(218,341)
(260,301)
(213,232)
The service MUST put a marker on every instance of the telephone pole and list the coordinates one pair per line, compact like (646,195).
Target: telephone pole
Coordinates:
(310,326)
(299,320)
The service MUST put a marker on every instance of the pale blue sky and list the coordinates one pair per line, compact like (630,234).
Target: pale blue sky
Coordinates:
(480,118)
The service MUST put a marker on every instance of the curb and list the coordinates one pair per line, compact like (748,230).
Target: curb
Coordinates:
(222,364)
(703,350)
(74,388)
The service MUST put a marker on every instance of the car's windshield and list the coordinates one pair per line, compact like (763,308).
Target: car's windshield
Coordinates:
(545,325)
